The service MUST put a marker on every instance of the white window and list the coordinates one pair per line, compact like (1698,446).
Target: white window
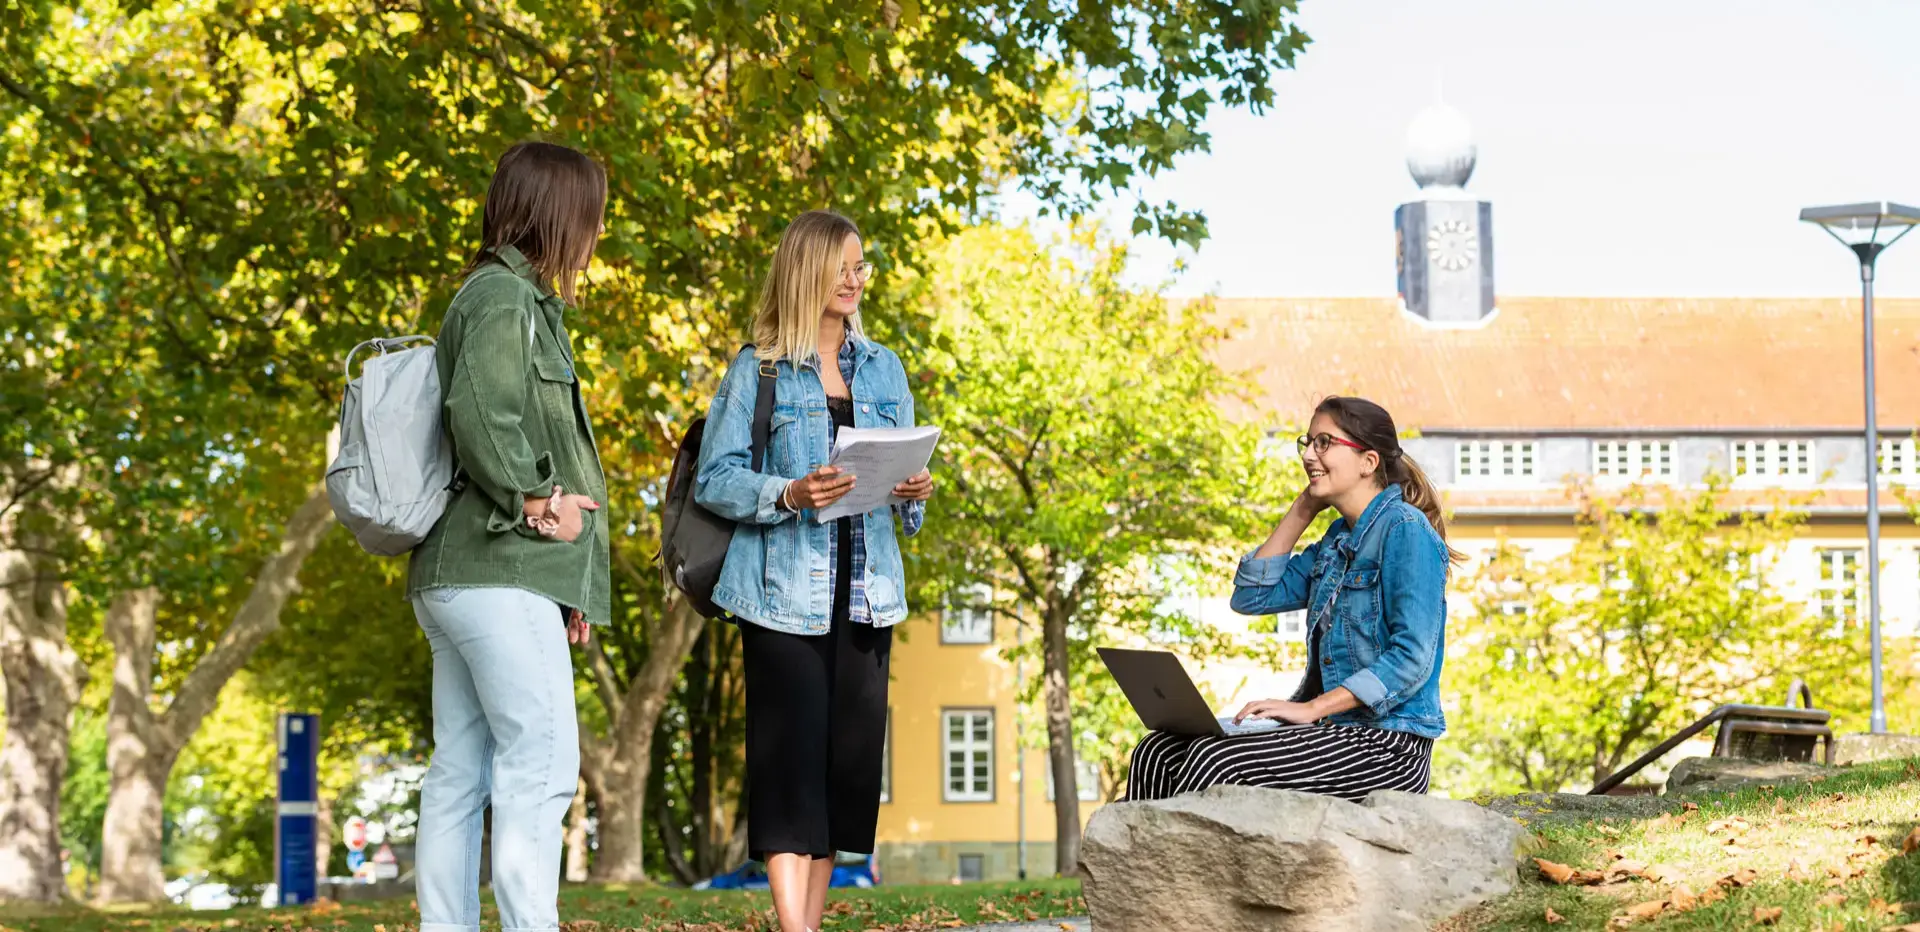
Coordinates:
(1496,459)
(968,618)
(967,744)
(886,760)
(1086,779)
(1634,459)
(1837,596)
(1773,459)
(1898,462)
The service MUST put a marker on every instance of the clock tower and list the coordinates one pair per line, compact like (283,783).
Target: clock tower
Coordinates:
(1444,240)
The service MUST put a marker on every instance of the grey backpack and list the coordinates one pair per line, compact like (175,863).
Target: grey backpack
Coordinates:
(388,484)
(392,478)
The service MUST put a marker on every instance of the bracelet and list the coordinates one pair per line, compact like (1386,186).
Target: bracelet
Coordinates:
(786,496)
(548,524)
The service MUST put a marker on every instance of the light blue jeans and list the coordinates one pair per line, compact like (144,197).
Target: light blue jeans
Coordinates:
(503,731)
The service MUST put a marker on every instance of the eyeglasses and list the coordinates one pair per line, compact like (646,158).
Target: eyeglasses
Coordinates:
(1321,443)
(861,272)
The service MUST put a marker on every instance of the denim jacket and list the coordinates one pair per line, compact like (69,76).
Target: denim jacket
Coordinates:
(1375,595)
(777,574)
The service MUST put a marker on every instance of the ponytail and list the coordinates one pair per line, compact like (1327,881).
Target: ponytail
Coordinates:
(1418,491)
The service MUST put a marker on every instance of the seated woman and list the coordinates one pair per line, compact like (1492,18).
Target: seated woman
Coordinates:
(1374,589)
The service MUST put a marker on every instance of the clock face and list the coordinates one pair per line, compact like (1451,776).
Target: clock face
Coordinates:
(1453,245)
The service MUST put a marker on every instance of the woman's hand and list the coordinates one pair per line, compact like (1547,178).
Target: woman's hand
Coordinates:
(1307,505)
(578,631)
(917,489)
(560,515)
(818,489)
(1293,713)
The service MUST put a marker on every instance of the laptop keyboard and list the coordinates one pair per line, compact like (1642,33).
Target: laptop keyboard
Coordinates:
(1248,727)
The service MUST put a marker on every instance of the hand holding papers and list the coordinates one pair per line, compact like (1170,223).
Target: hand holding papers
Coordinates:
(878,458)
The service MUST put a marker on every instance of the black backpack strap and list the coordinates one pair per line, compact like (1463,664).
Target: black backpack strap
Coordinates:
(763,412)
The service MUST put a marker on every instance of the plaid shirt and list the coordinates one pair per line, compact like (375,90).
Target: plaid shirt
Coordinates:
(911,514)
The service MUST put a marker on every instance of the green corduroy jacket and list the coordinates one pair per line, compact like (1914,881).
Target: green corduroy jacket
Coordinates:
(519,427)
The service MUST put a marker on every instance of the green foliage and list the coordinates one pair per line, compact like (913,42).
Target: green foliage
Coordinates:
(206,204)
(220,800)
(1088,475)
(83,797)
(1567,668)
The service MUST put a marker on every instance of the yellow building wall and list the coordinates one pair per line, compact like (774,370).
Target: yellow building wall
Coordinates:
(921,834)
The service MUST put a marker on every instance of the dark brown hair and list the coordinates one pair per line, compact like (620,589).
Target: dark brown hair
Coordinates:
(1372,427)
(545,200)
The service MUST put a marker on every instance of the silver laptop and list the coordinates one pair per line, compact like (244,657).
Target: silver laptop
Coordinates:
(1165,698)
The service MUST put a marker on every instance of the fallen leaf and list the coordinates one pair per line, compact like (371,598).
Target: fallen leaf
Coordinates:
(1839,797)
(1682,899)
(1912,842)
(1609,831)
(1743,877)
(1553,918)
(1831,899)
(1867,841)
(1646,910)
(1795,873)
(1614,854)
(1557,873)
(1735,850)
(1690,807)
(1712,895)
(1766,915)
(1766,789)
(1779,806)
(1735,826)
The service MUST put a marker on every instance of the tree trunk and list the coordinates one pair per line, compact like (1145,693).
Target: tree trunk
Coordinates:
(577,836)
(43,680)
(618,763)
(139,758)
(1059,708)
(621,778)
(142,745)
(322,833)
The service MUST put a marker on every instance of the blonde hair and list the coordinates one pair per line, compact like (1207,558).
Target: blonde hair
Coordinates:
(804,276)
(545,200)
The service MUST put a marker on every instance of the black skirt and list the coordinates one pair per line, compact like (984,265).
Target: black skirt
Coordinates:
(816,729)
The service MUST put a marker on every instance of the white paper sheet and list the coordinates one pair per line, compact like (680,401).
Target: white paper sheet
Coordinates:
(879,459)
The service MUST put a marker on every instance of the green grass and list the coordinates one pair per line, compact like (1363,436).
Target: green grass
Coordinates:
(1798,837)
(609,908)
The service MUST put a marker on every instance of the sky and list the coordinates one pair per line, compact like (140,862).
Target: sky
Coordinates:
(1629,147)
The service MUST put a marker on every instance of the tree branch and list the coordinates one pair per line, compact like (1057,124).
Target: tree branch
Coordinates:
(258,617)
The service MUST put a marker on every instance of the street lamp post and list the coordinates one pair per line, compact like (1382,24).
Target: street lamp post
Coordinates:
(1858,227)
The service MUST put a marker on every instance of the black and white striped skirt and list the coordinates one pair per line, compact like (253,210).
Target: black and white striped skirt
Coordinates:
(1348,761)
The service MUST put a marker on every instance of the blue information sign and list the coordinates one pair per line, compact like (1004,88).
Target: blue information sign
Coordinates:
(299,796)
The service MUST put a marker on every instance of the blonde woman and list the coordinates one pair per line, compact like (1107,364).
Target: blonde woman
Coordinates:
(816,602)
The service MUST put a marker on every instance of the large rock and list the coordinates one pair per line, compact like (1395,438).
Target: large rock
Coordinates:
(1241,859)
(1719,774)
(1861,748)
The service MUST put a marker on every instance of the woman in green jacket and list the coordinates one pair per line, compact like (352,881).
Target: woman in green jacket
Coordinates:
(517,567)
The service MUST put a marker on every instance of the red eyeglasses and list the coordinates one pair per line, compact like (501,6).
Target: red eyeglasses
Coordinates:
(1323,442)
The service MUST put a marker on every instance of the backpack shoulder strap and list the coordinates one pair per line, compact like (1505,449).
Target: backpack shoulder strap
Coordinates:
(763,410)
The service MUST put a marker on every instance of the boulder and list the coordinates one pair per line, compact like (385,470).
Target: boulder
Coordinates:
(1243,859)
(1862,748)
(1719,774)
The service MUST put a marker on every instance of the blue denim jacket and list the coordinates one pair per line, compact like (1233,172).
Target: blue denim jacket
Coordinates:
(1384,636)
(777,574)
